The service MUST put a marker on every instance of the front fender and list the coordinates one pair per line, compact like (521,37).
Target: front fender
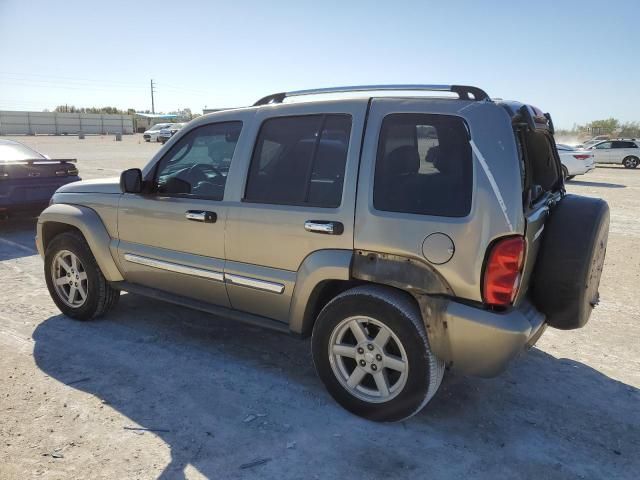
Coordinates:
(90,225)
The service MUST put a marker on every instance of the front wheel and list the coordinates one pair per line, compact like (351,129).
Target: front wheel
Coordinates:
(371,351)
(630,162)
(74,279)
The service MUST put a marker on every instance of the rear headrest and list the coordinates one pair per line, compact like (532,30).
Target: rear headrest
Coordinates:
(403,160)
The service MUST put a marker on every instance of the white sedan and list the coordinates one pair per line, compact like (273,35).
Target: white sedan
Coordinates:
(574,161)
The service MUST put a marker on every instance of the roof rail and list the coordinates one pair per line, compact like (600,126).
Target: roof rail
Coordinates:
(464,92)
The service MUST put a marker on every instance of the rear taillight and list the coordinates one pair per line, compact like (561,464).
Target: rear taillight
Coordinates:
(582,157)
(502,271)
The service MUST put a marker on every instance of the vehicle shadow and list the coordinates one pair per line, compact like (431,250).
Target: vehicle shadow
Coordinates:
(17,236)
(617,167)
(583,183)
(222,395)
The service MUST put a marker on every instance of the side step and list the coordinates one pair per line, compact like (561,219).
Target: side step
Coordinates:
(225,312)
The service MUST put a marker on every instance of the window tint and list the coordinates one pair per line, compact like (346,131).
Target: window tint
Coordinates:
(424,166)
(603,146)
(197,165)
(624,145)
(300,161)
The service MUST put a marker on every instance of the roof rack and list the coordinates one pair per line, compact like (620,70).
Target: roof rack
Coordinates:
(464,92)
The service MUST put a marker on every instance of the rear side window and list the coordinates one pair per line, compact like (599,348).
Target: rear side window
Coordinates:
(424,166)
(300,161)
(624,145)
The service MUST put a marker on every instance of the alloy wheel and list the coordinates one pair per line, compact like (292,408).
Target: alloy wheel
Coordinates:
(69,278)
(368,359)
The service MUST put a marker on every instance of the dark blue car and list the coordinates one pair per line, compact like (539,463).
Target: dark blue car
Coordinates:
(28,179)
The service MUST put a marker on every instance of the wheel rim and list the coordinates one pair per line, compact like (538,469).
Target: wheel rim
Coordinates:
(628,162)
(368,359)
(69,278)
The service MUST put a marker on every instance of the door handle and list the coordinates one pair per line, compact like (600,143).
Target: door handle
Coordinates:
(322,226)
(201,216)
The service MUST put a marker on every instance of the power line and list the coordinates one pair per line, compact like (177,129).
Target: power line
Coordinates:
(71,79)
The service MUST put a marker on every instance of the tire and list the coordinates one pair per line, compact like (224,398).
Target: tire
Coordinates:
(570,177)
(630,162)
(569,264)
(100,297)
(565,173)
(378,308)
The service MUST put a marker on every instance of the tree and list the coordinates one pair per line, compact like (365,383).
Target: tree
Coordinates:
(108,110)
(608,126)
(629,130)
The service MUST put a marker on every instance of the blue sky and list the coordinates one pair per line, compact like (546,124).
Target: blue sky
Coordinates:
(580,60)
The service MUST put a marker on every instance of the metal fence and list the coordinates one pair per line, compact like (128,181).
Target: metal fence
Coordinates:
(51,123)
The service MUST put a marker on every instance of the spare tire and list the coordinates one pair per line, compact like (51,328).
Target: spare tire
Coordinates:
(569,264)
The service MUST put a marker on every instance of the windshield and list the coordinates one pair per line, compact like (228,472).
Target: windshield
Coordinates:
(17,151)
(158,126)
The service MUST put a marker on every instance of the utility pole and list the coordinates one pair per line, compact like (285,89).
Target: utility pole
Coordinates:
(153,107)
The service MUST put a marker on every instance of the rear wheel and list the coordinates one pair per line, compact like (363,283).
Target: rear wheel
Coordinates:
(371,351)
(74,279)
(630,162)
(565,173)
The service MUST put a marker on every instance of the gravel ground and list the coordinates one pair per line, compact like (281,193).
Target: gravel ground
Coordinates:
(159,391)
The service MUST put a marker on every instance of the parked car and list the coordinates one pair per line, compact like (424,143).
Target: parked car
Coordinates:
(404,235)
(151,135)
(28,179)
(622,152)
(575,161)
(593,141)
(168,132)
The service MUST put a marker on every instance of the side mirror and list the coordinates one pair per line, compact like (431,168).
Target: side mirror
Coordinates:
(131,181)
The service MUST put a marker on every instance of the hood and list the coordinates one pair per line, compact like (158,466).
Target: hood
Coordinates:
(101,185)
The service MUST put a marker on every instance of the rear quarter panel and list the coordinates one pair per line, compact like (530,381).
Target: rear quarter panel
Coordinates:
(404,234)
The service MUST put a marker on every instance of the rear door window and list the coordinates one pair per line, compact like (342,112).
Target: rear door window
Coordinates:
(423,166)
(300,161)
(624,145)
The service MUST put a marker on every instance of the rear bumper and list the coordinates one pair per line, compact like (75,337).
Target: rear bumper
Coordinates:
(482,342)
(23,194)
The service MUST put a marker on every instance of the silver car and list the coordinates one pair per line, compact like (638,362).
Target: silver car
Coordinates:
(405,234)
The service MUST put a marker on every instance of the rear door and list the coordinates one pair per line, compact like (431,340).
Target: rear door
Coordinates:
(172,237)
(622,149)
(542,187)
(296,198)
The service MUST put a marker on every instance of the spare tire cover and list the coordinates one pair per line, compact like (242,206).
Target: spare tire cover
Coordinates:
(569,264)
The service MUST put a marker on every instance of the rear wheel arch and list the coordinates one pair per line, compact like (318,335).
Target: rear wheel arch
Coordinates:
(321,295)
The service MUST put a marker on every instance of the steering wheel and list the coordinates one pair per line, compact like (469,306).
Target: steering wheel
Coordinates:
(196,173)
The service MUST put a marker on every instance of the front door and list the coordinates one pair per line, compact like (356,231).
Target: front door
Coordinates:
(172,237)
(603,152)
(298,198)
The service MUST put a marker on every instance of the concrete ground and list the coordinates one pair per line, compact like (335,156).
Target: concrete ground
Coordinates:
(159,391)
